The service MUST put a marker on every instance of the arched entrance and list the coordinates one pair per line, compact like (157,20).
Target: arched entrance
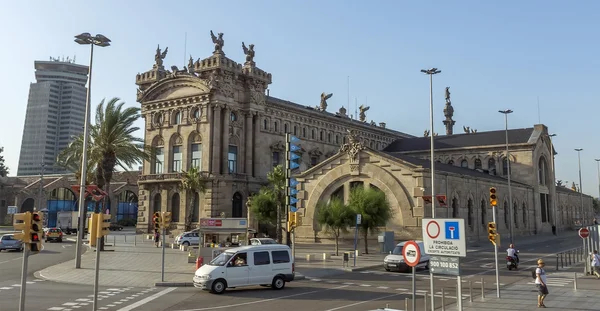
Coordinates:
(175,207)
(27,205)
(127,208)
(236,206)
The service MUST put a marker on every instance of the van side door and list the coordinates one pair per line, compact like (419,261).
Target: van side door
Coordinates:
(261,272)
(238,270)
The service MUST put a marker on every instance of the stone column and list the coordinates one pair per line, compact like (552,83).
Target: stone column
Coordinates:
(225,140)
(216,140)
(254,144)
(248,140)
(347,193)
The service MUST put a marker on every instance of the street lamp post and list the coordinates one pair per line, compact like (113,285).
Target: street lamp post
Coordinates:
(431,72)
(580,184)
(598,162)
(510,202)
(101,41)
(555,215)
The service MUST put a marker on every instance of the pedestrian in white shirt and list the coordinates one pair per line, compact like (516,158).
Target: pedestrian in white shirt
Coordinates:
(540,283)
(596,264)
(512,252)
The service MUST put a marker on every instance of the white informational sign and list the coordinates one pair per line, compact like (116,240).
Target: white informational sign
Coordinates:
(444,237)
(358,219)
(411,253)
(11,210)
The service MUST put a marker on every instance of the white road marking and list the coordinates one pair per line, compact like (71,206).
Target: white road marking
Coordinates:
(361,302)
(261,301)
(1,262)
(147,299)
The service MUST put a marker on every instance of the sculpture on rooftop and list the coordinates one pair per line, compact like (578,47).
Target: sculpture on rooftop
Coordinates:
(426,133)
(342,112)
(324,98)
(218,41)
(447,94)
(160,56)
(362,115)
(191,65)
(249,53)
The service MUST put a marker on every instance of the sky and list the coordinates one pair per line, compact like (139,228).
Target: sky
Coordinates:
(493,55)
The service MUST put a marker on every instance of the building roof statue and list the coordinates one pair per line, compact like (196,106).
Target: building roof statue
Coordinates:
(249,51)
(363,109)
(449,113)
(158,58)
(324,98)
(218,41)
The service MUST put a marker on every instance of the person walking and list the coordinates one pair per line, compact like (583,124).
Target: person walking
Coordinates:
(596,264)
(156,238)
(540,283)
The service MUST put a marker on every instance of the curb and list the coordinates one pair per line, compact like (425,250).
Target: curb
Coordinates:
(174,284)
(349,269)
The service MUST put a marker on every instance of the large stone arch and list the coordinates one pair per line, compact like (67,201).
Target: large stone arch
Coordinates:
(175,88)
(395,191)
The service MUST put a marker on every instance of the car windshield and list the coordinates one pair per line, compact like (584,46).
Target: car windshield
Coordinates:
(221,260)
(397,250)
(267,241)
(7,237)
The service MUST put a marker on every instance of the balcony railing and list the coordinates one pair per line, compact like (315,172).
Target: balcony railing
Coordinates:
(168,177)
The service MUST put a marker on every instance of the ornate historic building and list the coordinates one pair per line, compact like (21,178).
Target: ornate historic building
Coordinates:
(215,114)
(467,166)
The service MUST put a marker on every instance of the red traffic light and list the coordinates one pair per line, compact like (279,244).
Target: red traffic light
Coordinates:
(36,217)
(35,237)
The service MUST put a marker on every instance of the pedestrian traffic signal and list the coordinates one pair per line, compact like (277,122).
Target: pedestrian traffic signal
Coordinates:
(156,220)
(22,224)
(292,221)
(103,225)
(493,198)
(35,245)
(93,229)
(166,220)
(492,232)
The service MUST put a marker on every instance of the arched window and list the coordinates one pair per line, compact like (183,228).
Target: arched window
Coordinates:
(276,125)
(321,136)
(285,128)
(196,113)
(265,124)
(470,213)
(464,164)
(236,205)
(337,139)
(175,208)
(295,130)
(156,205)
(478,164)
(505,166)
(483,213)
(233,116)
(516,214)
(329,137)
(455,208)
(314,134)
(492,166)
(451,162)
(304,132)
(524,215)
(542,171)
(177,118)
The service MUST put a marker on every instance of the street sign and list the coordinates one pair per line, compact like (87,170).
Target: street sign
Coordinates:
(11,210)
(358,219)
(411,253)
(444,237)
(584,233)
(444,265)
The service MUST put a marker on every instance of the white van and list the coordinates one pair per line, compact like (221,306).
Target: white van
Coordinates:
(395,260)
(265,265)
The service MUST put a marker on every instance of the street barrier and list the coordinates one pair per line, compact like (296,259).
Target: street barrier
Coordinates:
(443,299)
(482,289)
(326,256)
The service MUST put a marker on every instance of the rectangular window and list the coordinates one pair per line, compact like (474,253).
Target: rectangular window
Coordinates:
(160,158)
(313,161)
(197,156)
(176,159)
(261,258)
(280,256)
(275,158)
(232,159)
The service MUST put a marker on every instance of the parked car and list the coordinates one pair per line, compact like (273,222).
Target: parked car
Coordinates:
(395,261)
(262,241)
(265,265)
(188,238)
(115,227)
(54,234)
(8,242)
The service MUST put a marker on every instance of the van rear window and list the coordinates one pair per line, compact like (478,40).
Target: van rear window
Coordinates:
(280,256)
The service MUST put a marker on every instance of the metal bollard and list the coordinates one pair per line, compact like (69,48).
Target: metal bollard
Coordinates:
(125,238)
(470,291)
(562,264)
(443,299)
(575,281)
(482,289)
(424,301)
(569,258)
(114,240)
(556,262)
(406,303)
(135,240)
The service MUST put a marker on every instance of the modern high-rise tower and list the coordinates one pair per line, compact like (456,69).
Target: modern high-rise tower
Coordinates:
(55,113)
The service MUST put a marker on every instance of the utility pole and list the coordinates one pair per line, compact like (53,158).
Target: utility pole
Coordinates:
(511,216)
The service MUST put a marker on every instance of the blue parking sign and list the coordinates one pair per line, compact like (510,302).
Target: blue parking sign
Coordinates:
(452,230)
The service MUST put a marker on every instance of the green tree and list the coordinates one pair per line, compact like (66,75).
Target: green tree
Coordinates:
(271,196)
(192,182)
(336,218)
(3,168)
(374,208)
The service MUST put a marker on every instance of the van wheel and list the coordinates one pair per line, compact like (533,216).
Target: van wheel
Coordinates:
(278,283)
(186,243)
(218,287)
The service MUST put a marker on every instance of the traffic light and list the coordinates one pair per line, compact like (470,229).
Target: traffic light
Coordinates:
(166,220)
(493,198)
(292,221)
(35,245)
(93,228)
(292,159)
(492,233)
(156,220)
(22,223)
(103,225)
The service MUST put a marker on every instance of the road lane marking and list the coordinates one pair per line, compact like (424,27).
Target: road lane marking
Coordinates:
(147,299)
(19,258)
(261,301)
(361,302)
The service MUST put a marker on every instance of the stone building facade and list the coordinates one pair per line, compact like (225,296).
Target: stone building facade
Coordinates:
(216,114)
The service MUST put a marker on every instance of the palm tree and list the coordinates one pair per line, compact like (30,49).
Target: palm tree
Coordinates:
(269,197)
(192,182)
(112,144)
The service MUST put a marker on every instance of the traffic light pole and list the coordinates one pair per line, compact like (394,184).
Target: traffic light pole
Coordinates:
(496,255)
(97,267)
(24,277)
(162,268)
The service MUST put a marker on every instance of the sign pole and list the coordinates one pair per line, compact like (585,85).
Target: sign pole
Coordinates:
(414,288)
(459,292)
(24,277)
(496,256)
(358,221)
(97,268)
(162,268)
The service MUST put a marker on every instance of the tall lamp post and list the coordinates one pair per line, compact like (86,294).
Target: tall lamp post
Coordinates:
(554,213)
(510,202)
(431,72)
(598,162)
(580,184)
(101,41)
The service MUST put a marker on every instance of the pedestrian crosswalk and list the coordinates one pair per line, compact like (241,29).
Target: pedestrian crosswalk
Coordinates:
(551,281)
(419,276)
(115,296)
(13,286)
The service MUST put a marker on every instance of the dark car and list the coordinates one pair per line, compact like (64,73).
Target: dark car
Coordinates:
(115,227)
(8,242)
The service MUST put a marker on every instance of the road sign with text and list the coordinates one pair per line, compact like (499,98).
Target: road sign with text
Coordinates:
(444,237)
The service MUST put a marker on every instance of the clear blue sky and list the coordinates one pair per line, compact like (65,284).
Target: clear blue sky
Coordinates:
(493,55)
